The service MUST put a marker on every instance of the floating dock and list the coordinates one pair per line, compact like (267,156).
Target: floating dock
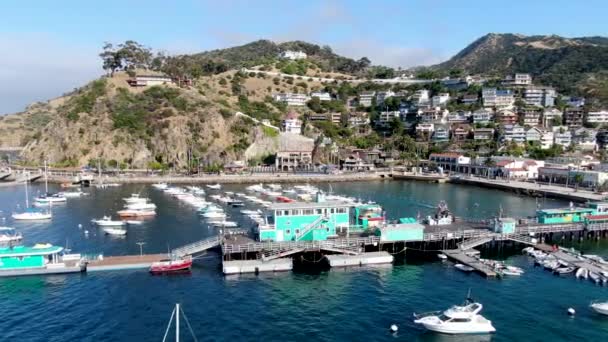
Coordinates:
(370,258)
(125,262)
(465,259)
(257,266)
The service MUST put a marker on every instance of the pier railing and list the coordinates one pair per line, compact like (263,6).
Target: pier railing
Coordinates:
(307,245)
(197,247)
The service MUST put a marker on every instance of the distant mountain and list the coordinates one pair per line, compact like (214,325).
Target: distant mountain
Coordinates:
(565,63)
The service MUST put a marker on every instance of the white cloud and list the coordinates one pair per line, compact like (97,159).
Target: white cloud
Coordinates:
(37,67)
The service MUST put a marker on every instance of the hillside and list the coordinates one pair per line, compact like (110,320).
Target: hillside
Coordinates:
(563,62)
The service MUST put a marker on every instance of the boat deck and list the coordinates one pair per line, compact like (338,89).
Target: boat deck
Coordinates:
(124,262)
(468,260)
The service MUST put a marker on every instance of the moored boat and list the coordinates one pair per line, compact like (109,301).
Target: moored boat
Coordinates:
(214,186)
(107,221)
(38,259)
(600,307)
(9,235)
(114,230)
(171,265)
(136,212)
(464,319)
(464,268)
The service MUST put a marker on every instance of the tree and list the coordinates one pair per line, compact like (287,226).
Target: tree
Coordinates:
(111,58)
(315,104)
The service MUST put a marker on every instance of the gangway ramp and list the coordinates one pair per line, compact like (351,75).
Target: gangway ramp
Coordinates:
(471,243)
(197,247)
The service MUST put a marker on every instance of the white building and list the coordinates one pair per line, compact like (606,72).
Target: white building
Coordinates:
(292,99)
(421,97)
(383,95)
(600,116)
(293,55)
(549,115)
(533,134)
(149,80)
(518,80)
(546,140)
(585,139)
(515,133)
(440,99)
(322,95)
(497,98)
(562,136)
(292,124)
(539,96)
(385,118)
(482,116)
(366,98)
(425,129)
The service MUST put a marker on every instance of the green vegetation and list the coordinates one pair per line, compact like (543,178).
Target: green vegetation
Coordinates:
(84,102)
(270,132)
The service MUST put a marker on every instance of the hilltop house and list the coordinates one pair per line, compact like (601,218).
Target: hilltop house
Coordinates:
(598,116)
(550,115)
(441,134)
(562,136)
(506,117)
(482,116)
(497,98)
(292,99)
(483,134)
(322,95)
(573,117)
(366,98)
(149,80)
(529,116)
(515,133)
(291,124)
(539,96)
(293,55)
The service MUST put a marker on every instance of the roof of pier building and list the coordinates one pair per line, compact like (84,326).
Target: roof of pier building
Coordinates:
(310,205)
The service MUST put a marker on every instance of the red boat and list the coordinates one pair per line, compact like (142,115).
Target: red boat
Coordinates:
(284,199)
(171,265)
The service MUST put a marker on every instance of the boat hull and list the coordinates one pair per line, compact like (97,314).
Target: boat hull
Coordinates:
(600,310)
(42,271)
(172,266)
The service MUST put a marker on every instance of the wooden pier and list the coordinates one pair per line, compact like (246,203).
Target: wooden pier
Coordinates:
(124,262)
(465,259)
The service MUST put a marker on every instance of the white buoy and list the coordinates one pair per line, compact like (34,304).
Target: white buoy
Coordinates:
(571,311)
(394,328)
(80,225)
(86,232)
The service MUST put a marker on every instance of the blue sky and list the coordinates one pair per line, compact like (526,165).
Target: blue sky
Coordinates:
(50,47)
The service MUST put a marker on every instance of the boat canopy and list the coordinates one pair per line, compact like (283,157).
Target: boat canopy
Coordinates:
(40,249)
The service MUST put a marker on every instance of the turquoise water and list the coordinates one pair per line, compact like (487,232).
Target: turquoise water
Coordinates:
(355,304)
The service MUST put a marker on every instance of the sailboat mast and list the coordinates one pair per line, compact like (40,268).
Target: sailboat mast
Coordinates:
(46,179)
(27,204)
(177,322)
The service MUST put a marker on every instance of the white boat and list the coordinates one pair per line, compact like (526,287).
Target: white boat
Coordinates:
(8,235)
(140,206)
(114,230)
(582,273)
(50,198)
(464,268)
(135,198)
(214,214)
(160,186)
(134,222)
(107,221)
(31,214)
(463,319)
(600,307)
(224,223)
(595,277)
(136,212)
(71,194)
(442,256)
(214,186)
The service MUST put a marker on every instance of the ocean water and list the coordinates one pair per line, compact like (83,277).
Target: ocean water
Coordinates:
(357,304)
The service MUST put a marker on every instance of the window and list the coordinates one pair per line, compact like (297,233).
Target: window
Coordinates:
(286,212)
(308,212)
(327,229)
(278,213)
(460,320)
(288,231)
(297,232)
(341,210)
(332,210)
(319,211)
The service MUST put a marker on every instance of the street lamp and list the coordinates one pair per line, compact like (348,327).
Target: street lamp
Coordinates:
(141,251)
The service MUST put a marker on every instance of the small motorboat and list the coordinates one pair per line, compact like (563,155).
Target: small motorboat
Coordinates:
(600,307)
(464,319)
(582,273)
(595,277)
(171,265)
(236,203)
(71,194)
(113,230)
(136,212)
(214,186)
(8,235)
(442,256)
(107,221)
(224,223)
(141,206)
(134,222)
(464,268)
(32,215)
(214,215)
(50,198)
(564,270)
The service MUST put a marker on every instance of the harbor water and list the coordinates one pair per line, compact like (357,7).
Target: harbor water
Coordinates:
(357,304)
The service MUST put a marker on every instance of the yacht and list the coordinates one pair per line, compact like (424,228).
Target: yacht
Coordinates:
(51,198)
(107,221)
(8,235)
(214,186)
(113,230)
(600,307)
(141,206)
(464,319)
